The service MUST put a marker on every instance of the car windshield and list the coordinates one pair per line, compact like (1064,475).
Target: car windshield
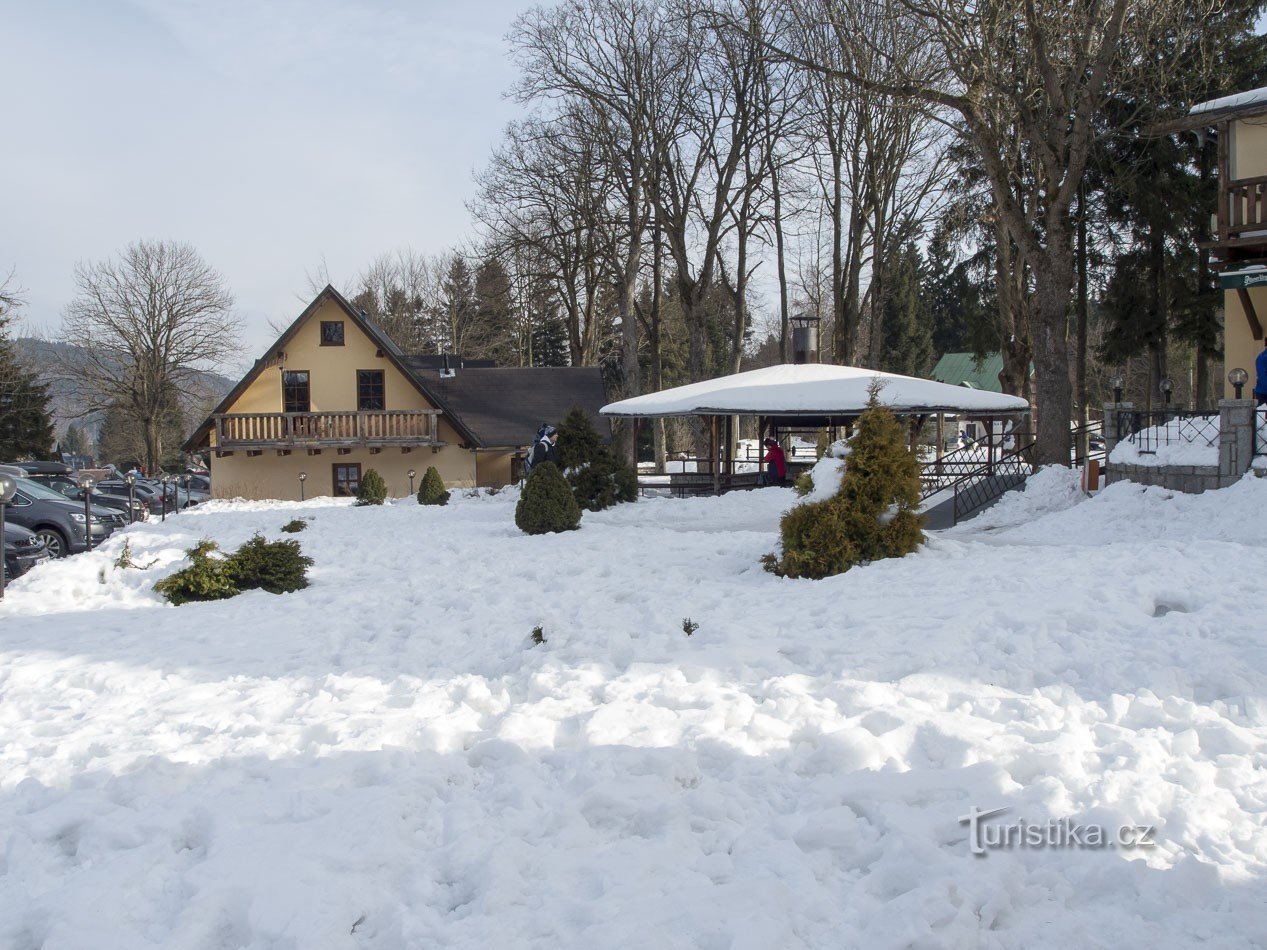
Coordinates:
(36,490)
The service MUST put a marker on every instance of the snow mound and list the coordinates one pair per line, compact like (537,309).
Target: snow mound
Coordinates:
(827,474)
(386,760)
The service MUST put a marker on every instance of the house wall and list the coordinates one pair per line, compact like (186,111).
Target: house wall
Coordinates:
(492,468)
(1240,347)
(1248,153)
(332,381)
(272,476)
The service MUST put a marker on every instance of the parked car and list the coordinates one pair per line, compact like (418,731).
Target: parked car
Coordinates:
(23,550)
(148,494)
(60,522)
(68,486)
(200,482)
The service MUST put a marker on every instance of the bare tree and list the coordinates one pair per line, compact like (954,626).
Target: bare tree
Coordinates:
(1043,68)
(142,326)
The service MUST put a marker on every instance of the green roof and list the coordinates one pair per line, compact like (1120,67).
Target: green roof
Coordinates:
(963,369)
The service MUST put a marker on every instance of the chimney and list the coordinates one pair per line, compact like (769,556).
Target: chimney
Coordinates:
(446,371)
(804,338)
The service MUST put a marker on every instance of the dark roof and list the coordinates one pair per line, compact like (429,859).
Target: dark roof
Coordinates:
(504,406)
(488,406)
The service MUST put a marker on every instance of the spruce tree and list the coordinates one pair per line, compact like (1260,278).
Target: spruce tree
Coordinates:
(547,504)
(372,490)
(432,490)
(907,345)
(874,515)
(597,476)
(579,442)
(26,428)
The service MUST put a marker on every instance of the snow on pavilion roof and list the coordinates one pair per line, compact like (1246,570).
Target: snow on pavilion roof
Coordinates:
(814,389)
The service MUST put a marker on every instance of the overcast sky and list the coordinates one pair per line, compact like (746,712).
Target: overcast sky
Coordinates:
(267,134)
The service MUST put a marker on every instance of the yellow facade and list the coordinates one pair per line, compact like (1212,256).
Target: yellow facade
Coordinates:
(332,381)
(1247,158)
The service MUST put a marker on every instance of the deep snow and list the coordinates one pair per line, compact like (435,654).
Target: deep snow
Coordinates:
(385,760)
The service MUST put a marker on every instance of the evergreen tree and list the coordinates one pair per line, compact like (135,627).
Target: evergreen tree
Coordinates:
(875,513)
(494,334)
(579,442)
(432,490)
(26,428)
(547,504)
(907,345)
(958,305)
(549,333)
(75,441)
(597,477)
(372,490)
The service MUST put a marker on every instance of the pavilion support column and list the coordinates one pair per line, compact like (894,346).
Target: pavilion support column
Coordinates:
(712,454)
(941,439)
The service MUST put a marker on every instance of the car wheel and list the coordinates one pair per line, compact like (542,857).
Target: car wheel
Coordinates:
(54,540)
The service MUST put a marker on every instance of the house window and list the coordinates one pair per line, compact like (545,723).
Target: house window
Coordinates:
(296,393)
(370,393)
(331,332)
(347,479)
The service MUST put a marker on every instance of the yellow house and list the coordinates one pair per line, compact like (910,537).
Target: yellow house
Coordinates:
(335,397)
(1238,247)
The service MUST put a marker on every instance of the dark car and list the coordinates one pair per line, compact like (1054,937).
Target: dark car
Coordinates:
(149,495)
(60,522)
(23,550)
(66,485)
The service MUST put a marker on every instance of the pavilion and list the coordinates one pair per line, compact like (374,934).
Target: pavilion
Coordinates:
(810,396)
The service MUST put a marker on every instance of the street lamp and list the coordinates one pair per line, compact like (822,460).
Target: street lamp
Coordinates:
(303,477)
(164,481)
(131,480)
(1167,386)
(7,488)
(1118,382)
(87,483)
(411,473)
(1238,378)
(184,481)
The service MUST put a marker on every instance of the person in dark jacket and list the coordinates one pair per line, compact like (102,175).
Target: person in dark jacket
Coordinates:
(543,449)
(775,464)
(1260,384)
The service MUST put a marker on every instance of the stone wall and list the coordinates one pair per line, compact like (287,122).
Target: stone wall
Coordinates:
(1236,452)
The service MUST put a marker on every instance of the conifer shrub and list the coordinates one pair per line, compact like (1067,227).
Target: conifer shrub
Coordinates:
(547,503)
(598,477)
(579,442)
(294,526)
(206,578)
(372,490)
(874,515)
(432,491)
(275,566)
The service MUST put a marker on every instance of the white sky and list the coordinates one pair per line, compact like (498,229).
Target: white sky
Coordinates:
(268,134)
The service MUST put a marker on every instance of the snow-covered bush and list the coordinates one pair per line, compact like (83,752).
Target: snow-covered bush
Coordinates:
(206,577)
(873,515)
(372,490)
(432,490)
(547,503)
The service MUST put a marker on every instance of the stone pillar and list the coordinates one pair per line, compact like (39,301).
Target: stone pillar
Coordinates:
(1109,426)
(1236,438)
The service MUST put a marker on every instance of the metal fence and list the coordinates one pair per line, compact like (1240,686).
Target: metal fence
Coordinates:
(1260,430)
(1149,431)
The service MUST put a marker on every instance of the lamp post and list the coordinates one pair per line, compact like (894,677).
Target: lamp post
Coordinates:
(1238,378)
(7,487)
(1118,382)
(184,481)
(131,480)
(164,482)
(1167,386)
(411,473)
(87,483)
(303,477)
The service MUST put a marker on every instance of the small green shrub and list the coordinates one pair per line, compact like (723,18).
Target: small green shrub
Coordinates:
(603,482)
(538,635)
(547,503)
(803,485)
(372,490)
(294,526)
(432,491)
(125,559)
(275,566)
(579,441)
(874,515)
(206,578)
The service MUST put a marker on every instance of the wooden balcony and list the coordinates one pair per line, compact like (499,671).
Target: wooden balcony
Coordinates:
(316,430)
(1241,223)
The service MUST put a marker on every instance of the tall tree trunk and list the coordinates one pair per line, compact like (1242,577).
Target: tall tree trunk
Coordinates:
(780,260)
(1053,283)
(1080,343)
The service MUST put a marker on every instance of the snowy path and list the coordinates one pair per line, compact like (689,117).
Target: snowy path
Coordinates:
(384,760)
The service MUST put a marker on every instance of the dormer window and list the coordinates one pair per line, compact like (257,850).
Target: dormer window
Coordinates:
(331,332)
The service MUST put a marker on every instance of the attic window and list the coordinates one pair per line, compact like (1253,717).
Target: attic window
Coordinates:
(331,332)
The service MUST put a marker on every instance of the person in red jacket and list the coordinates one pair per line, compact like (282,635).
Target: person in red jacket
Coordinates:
(775,464)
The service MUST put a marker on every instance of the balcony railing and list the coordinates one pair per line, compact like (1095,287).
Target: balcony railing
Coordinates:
(266,430)
(1242,215)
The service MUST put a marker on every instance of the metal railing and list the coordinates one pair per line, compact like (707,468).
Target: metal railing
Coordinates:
(1149,431)
(269,429)
(973,481)
(1260,430)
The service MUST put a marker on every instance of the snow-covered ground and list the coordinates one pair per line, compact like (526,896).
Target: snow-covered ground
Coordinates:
(386,760)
